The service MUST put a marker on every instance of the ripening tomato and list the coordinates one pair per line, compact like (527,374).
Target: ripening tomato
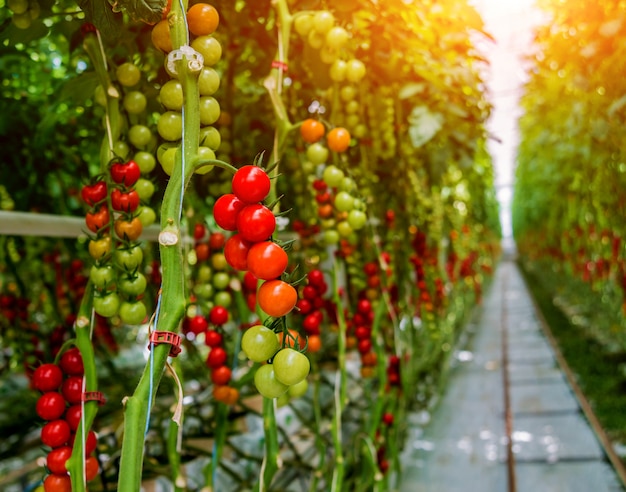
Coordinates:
(94,193)
(99,219)
(338,139)
(161,37)
(225,211)
(128,230)
(202,19)
(236,252)
(276,297)
(312,130)
(99,248)
(256,222)
(314,344)
(126,173)
(251,184)
(47,377)
(267,260)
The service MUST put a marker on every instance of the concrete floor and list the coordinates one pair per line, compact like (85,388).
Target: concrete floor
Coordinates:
(464,445)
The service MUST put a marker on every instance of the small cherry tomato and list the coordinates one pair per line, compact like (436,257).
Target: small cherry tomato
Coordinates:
(251,184)
(50,406)
(126,173)
(236,252)
(276,297)
(225,211)
(99,219)
(47,377)
(128,230)
(94,193)
(256,222)
(267,260)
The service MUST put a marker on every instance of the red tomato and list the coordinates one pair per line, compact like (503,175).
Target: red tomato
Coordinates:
(199,231)
(72,362)
(364,306)
(73,389)
(47,377)
(217,358)
(256,222)
(221,375)
(91,468)
(94,193)
(50,406)
(124,202)
(236,252)
(73,416)
(217,240)
(213,338)
(198,324)
(57,483)
(99,219)
(55,433)
(364,345)
(218,315)
(225,211)
(56,459)
(316,278)
(250,281)
(126,173)
(267,260)
(277,298)
(251,184)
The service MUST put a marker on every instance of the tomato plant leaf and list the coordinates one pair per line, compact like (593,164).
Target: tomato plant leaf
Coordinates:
(101,15)
(148,11)
(79,88)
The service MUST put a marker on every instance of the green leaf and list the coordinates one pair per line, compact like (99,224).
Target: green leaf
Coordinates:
(148,11)
(101,15)
(37,30)
(79,88)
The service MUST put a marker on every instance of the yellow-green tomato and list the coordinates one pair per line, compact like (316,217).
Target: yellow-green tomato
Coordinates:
(267,384)
(259,343)
(291,366)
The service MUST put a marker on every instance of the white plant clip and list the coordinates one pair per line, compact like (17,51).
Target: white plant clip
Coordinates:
(195,61)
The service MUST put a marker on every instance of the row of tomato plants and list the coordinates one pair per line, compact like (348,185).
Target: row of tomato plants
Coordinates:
(302,259)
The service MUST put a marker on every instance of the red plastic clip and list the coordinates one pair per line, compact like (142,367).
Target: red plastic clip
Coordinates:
(280,65)
(94,396)
(157,337)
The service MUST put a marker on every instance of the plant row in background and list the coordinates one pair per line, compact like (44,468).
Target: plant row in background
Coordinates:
(573,248)
(327,223)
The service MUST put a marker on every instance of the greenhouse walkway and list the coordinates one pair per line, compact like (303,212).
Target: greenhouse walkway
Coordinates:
(464,447)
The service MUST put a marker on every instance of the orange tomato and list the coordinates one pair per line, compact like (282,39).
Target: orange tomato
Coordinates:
(312,130)
(202,19)
(314,344)
(338,139)
(161,38)
(277,297)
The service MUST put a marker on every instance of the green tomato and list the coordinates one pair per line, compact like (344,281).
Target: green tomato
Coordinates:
(146,215)
(344,229)
(135,102)
(208,81)
(347,93)
(203,291)
(128,259)
(170,126)
(344,201)
(218,261)
(128,74)
(317,153)
(145,161)
(121,149)
(204,274)
(144,188)
(133,313)
(106,305)
(299,389)
(291,366)
(171,95)
(355,70)
(267,384)
(336,37)
(133,285)
(223,298)
(221,280)
(323,21)
(331,237)
(303,23)
(338,71)
(18,6)
(347,184)
(259,343)
(210,137)
(209,110)
(333,176)
(209,48)
(357,219)
(166,155)
(205,154)
(102,276)
(100,96)
(140,136)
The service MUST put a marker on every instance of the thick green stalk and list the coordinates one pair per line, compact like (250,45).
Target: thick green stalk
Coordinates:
(172,307)
(319,441)
(269,466)
(76,463)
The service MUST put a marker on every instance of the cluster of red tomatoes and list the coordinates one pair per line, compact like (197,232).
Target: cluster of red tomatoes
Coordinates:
(60,405)
(310,306)
(360,333)
(251,248)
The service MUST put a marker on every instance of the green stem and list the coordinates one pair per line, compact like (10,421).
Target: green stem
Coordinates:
(172,307)
(269,466)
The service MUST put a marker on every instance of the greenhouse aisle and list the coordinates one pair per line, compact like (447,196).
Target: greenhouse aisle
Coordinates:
(464,446)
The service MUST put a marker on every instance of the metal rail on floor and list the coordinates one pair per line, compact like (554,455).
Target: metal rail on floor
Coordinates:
(585,406)
(508,416)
